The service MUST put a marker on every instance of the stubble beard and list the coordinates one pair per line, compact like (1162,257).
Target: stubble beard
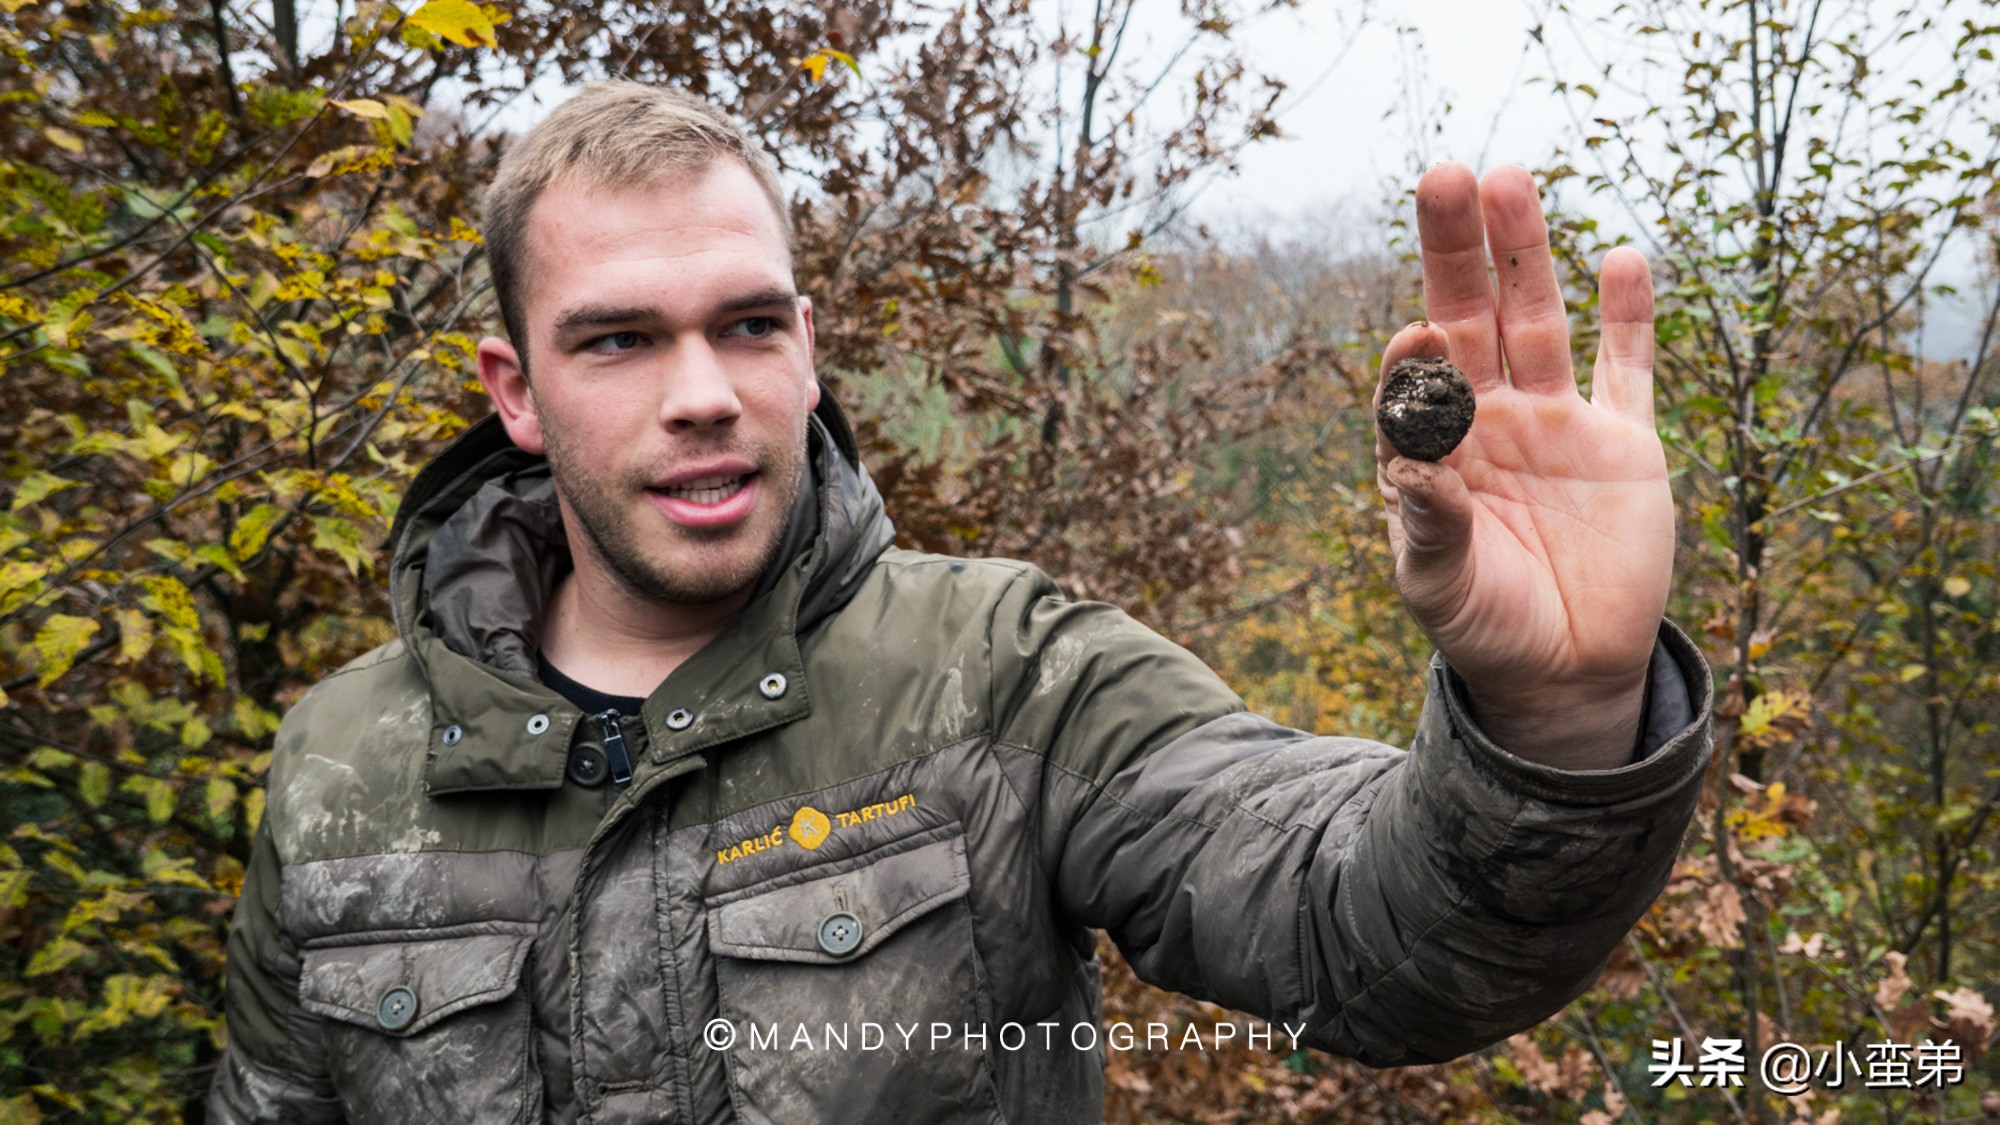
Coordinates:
(708,569)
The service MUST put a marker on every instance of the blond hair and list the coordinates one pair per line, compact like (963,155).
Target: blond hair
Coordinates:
(614,134)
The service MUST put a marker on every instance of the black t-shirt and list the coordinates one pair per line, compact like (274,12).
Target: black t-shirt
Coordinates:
(587,699)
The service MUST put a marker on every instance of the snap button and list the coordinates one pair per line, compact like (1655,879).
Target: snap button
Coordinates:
(680,719)
(588,766)
(452,734)
(773,686)
(840,934)
(397,1010)
(538,724)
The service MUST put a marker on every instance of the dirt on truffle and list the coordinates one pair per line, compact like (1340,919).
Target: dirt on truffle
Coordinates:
(1426,408)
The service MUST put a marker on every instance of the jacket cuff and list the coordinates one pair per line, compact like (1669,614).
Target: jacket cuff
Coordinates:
(1673,736)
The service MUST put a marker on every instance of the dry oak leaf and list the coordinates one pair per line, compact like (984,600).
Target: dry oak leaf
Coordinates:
(1890,992)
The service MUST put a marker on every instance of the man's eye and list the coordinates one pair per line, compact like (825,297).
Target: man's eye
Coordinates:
(617,342)
(756,327)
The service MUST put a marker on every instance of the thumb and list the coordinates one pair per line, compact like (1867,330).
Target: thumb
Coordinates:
(1436,513)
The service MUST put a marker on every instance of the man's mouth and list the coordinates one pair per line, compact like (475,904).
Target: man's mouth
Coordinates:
(706,490)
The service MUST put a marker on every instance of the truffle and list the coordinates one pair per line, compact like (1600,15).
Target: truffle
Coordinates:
(1426,408)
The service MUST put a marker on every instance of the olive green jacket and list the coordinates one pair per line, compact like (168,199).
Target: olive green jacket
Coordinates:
(899,791)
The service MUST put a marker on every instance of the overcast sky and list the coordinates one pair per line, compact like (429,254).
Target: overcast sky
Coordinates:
(1345,135)
(1365,112)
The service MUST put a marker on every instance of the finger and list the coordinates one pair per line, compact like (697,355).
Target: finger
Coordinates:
(1421,340)
(1458,296)
(1436,519)
(1622,379)
(1534,329)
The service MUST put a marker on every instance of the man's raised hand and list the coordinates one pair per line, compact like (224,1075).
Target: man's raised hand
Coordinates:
(1537,556)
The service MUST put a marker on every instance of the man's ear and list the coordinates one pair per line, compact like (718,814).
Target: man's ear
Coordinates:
(506,382)
(812,378)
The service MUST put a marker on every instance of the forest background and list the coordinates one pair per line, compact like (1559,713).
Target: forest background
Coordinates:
(241,280)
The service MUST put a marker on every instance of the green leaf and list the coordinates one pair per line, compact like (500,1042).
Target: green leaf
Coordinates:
(219,555)
(94,782)
(343,539)
(38,486)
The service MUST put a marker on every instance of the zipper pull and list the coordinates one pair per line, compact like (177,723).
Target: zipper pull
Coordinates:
(614,748)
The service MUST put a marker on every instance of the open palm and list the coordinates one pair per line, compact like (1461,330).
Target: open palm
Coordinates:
(1538,554)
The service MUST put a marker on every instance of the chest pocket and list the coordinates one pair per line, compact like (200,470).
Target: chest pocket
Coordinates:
(428,1026)
(857,990)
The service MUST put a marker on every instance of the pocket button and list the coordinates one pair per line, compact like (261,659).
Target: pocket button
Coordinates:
(840,934)
(397,1010)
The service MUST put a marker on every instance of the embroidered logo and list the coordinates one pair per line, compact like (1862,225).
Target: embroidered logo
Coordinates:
(809,828)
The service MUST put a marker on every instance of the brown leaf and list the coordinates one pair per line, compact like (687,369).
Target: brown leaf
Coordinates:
(1890,992)
(1970,1018)
(1719,916)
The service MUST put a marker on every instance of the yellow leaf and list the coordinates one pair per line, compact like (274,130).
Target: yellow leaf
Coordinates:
(60,639)
(253,808)
(1910,672)
(13,889)
(460,21)
(56,955)
(351,158)
(1763,722)
(365,107)
(1957,586)
(420,39)
(250,533)
(815,65)
(159,796)
(220,797)
(395,117)
(128,997)
(63,139)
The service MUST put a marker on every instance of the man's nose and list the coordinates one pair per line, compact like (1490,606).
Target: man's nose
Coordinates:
(699,388)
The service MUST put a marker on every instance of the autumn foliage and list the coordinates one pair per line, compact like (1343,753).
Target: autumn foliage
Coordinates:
(241,280)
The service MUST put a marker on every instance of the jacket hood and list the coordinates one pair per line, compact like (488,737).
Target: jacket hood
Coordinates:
(479,545)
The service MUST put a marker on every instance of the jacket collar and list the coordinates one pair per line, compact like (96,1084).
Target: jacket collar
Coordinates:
(478,547)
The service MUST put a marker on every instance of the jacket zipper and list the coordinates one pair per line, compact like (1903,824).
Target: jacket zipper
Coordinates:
(614,748)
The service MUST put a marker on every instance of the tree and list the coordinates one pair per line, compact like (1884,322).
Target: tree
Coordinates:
(1805,174)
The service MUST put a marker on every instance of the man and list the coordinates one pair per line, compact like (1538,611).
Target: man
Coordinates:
(680,779)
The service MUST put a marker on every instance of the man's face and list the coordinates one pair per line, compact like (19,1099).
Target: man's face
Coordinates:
(668,379)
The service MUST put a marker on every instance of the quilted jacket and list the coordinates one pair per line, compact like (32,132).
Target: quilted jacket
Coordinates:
(900,789)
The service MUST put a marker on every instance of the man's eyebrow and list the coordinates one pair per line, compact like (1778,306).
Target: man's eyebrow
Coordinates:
(761,299)
(598,316)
